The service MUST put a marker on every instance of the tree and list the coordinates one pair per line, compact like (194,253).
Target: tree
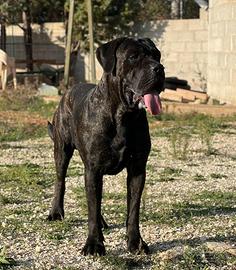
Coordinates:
(112,18)
(2,34)
(154,10)
(3,27)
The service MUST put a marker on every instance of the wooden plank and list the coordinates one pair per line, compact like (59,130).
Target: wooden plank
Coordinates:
(194,94)
(171,95)
(177,96)
(214,110)
(41,61)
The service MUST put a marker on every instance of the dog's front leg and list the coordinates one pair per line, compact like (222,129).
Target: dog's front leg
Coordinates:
(135,184)
(94,244)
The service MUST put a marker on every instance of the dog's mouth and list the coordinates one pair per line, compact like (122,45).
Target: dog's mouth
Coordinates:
(151,102)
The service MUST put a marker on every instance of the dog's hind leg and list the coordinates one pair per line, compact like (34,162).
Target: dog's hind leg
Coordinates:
(62,156)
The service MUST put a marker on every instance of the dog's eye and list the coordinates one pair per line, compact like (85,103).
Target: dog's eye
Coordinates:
(133,57)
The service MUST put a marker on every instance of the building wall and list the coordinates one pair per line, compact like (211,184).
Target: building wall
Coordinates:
(48,42)
(222,50)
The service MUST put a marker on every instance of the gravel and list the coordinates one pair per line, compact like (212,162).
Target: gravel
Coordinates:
(31,247)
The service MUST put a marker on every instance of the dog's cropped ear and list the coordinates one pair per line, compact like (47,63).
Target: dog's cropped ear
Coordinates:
(150,45)
(106,55)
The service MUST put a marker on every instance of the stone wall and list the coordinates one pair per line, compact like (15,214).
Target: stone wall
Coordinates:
(222,50)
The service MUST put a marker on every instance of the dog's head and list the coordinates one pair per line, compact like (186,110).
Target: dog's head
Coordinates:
(136,62)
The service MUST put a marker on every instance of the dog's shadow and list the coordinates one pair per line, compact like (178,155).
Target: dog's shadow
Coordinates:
(193,242)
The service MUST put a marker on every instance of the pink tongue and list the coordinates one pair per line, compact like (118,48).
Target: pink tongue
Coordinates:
(153,103)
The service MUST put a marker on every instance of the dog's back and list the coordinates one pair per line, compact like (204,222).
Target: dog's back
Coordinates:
(77,94)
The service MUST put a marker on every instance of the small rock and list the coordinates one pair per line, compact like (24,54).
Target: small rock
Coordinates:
(47,90)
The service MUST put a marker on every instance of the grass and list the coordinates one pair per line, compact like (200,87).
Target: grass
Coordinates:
(205,204)
(22,128)
(199,177)
(29,174)
(181,130)
(26,100)
(5,262)
(198,258)
(19,132)
(26,193)
(169,174)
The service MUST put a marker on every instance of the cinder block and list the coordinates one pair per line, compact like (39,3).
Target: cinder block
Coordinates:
(178,47)
(204,46)
(231,27)
(231,60)
(225,12)
(187,36)
(173,36)
(196,25)
(233,76)
(178,25)
(222,60)
(172,56)
(193,47)
(233,43)
(201,35)
(187,57)
(216,44)
(201,58)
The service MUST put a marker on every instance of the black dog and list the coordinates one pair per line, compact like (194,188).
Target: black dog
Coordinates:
(107,123)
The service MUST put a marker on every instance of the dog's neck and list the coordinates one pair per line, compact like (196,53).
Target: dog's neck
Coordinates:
(112,83)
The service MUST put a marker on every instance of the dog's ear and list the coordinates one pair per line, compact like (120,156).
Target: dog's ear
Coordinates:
(149,44)
(106,55)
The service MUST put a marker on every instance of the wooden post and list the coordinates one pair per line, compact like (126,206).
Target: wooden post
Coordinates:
(91,42)
(68,44)
(28,41)
(3,36)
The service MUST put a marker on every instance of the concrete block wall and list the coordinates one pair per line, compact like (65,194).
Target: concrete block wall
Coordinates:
(48,42)
(222,50)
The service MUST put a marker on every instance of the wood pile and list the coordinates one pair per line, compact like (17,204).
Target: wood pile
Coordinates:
(184,96)
(179,91)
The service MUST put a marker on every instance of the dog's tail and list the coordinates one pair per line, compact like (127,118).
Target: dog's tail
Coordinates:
(50,130)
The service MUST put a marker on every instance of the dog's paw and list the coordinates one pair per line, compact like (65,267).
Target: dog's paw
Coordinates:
(138,246)
(93,247)
(56,214)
